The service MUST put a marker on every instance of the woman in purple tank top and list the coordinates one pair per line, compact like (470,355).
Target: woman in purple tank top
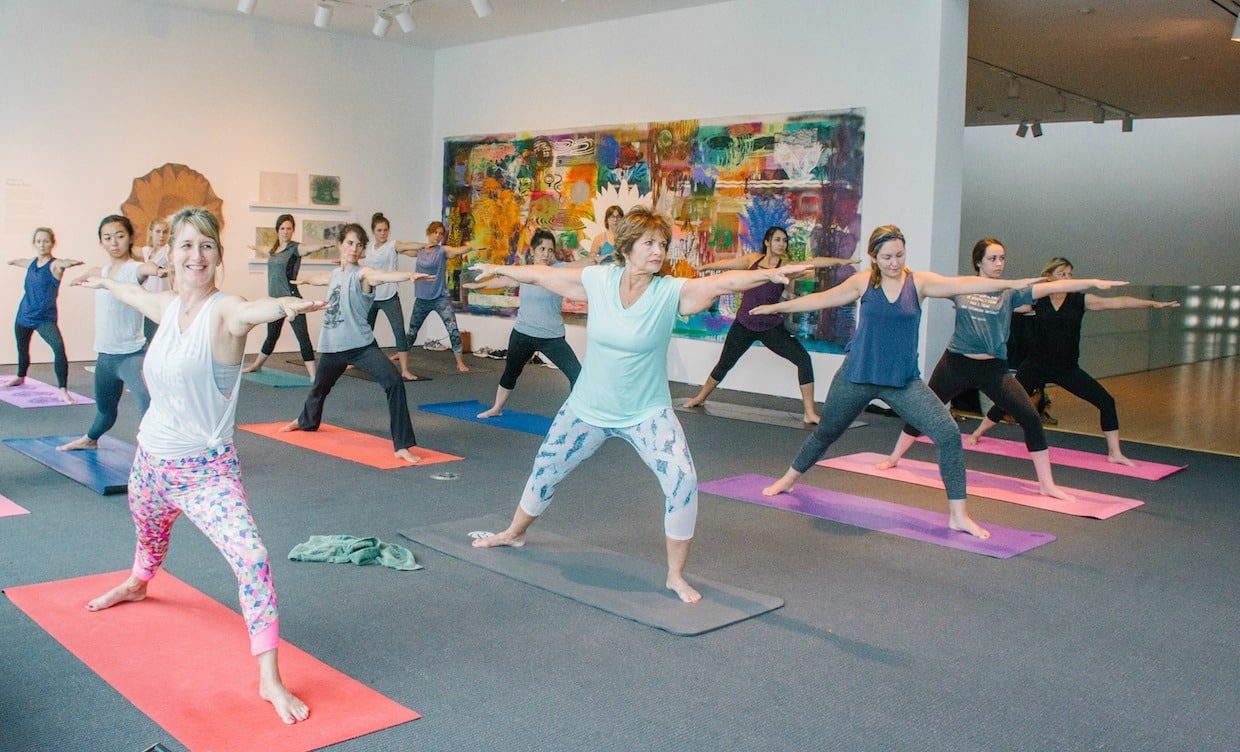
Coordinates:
(769,329)
(882,361)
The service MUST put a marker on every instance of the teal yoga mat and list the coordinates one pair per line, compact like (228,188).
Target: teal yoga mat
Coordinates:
(277,378)
(618,584)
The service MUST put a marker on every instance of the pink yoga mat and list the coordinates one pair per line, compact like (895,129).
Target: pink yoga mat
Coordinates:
(35,393)
(1068,458)
(10,509)
(881,516)
(987,485)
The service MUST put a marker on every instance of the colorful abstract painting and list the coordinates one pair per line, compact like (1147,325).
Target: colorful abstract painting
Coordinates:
(723,183)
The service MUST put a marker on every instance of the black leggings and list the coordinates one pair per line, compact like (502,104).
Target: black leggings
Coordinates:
(1033,377)
(740,338)
(370,360)
(51,335)
(395,316)
(955,373)
(521,347)
(299,328)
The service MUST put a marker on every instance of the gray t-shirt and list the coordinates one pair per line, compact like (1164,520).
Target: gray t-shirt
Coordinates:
(539,314)
(344,321)
(983,320)
(282,268)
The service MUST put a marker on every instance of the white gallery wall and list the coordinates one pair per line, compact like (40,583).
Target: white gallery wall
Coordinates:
(99,92)
(902,62)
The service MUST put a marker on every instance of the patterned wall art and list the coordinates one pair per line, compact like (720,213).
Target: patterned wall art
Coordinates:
(165,191)
(723,182)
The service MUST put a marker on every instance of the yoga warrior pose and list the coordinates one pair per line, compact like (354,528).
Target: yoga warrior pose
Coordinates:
(431,293)
(603,246)
(747,328)
(1056,350)
(347,340)
(539,328)
(283,266)
(155,252)
(882,361)
(118,332)
(37,311)
(622,390)
(381,255)
(186,461)
(976,357)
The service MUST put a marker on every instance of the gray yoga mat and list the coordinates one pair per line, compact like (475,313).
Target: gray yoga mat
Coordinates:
(619,584)
(752,414)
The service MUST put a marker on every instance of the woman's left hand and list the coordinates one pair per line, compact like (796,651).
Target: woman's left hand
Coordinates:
(293,309)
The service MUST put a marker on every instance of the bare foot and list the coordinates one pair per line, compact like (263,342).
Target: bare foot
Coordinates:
(289,427)
(131,590)
(462,368)
(809,419)
(288,706)
(67,398)
(680,587)
(505,538)
(694,402)
(963,523)
(409,456)
(1120,459)
(16,381)
(1056,492)
(83,442)
(491,412)
(409,376)
(887,463)
(252,368)
(783,485)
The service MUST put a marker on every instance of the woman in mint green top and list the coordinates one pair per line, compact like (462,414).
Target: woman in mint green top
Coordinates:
(622,390)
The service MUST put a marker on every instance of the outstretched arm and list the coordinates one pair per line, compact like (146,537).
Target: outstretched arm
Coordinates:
(61,264)
(240,315)
(149,304)
(306,250)
(24,261)
(932,285)
(456,251)
(321,279)
(564,281)
(1042,289)
(371,277)
(1099,303)
(848,291)
(739,262)
(698,294)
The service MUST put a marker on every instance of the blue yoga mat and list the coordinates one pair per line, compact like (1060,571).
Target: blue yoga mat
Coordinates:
(276,378)
(511,419)
(881,516)
(104,470)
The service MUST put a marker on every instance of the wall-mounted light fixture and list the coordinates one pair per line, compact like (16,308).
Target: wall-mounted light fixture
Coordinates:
(482,7)
(383,22)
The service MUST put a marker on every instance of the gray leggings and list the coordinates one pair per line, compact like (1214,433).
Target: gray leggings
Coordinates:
(112,374)
(914,402)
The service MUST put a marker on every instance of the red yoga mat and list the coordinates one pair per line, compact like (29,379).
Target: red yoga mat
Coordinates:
(184,660)
(349,445)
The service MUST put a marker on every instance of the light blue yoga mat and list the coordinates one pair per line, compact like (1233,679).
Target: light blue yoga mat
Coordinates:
(104,470)
(276,378)
(513,420)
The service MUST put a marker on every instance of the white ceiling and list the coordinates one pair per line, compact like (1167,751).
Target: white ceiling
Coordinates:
(1148,58)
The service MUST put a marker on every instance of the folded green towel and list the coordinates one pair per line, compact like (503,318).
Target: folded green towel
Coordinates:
(342,549)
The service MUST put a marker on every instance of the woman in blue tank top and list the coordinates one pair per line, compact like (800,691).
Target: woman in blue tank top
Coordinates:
(882,361)
(37,311)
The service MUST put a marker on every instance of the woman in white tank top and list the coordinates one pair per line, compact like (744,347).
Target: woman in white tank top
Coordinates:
(186,461)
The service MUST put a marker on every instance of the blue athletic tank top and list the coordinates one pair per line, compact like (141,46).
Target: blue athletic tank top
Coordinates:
(38,305)
(884,349)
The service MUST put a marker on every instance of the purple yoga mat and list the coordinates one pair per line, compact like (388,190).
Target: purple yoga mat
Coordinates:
(881,516)
(35,393)
(1001,488)
(1068,458)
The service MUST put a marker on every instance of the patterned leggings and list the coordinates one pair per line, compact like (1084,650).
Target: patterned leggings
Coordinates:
(659,441)
(442,306)
(207,488)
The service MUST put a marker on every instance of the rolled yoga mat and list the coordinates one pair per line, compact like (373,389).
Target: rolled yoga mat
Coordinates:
(881,516)
(104,470)
(184,660)
(35,393)
(513,420)
(349,445)
(1068,458)
(622,585)
(988,485)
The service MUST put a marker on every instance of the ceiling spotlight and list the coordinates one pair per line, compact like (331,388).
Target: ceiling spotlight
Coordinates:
(383,22)
(1013,87)
(1022,129)
(1036,128)
(1126,125)
(1100,115)
(246,6)
(481,7)
(404,17)
(322,14)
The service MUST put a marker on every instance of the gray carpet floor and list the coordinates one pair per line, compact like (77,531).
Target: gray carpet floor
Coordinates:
(1120,635)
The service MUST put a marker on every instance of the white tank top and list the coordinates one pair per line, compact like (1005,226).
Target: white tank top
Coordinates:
(188,413)
(118,328)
